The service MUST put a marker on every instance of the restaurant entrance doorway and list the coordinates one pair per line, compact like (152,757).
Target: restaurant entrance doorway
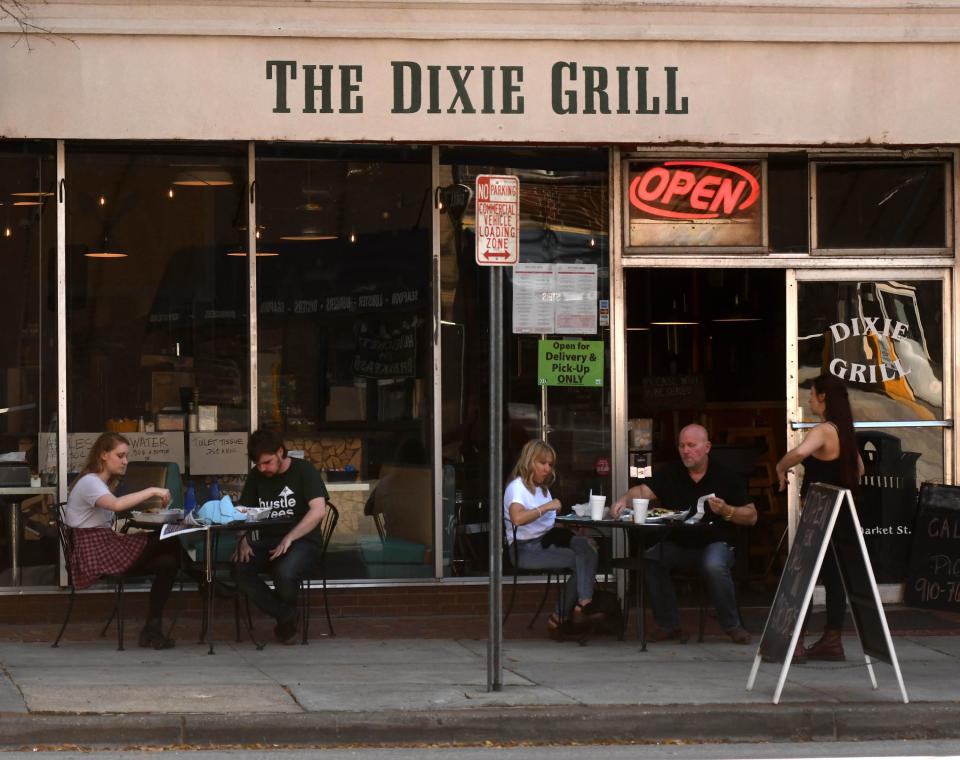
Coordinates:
(709,346)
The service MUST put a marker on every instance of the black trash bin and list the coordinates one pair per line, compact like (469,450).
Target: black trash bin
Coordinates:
(887,502)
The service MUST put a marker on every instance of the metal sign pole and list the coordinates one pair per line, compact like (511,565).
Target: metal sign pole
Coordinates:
(495,638)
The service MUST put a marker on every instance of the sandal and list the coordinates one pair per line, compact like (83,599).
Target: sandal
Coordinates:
(553,627)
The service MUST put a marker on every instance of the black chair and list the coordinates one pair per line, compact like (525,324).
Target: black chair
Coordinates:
(327,527)
(66,545)
(319,572)
(509,556)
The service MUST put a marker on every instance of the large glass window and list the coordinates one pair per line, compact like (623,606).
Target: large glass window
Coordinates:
(157,317)
(554,295)
(28,346)
(345,359)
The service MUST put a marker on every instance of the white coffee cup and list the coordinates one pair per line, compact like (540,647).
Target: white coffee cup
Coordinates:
(640,507)
(597,504)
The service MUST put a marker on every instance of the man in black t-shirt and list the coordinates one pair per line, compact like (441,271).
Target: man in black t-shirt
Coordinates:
(291,488)
(680,485)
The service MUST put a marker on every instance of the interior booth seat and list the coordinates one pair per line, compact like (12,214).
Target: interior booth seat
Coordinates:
(400,506)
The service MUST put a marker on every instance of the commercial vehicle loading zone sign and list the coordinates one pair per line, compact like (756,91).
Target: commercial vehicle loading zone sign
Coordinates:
(498,220)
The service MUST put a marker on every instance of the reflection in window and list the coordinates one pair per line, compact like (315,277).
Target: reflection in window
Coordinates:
(899,205)
(345,356)
(885,339)
(157,318)
(563,232)
(28,383)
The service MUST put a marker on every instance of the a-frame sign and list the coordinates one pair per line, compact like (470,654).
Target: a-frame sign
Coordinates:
(828,522)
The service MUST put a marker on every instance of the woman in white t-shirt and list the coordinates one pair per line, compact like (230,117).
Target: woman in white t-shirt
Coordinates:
(528,505)
(99,550)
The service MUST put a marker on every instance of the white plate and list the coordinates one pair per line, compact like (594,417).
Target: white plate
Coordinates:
(161,517)
(254,513)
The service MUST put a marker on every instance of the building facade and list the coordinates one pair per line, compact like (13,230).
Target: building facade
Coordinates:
(718,201)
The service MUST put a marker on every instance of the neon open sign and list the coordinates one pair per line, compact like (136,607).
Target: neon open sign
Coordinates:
(690,190)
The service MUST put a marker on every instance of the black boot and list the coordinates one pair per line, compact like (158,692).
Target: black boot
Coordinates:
(152,637)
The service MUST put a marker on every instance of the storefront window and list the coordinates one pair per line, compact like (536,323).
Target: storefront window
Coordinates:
(345,359)
(885,339)
(900,205)
(157,315)
(28,383)
(554,296)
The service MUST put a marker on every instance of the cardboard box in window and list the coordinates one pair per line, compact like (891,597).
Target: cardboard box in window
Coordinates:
(347,402)
(165,389)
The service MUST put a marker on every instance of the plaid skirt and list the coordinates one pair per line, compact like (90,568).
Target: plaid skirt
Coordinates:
(101,551)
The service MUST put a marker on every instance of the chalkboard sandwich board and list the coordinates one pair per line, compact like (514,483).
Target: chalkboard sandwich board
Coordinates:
(828,531)
(933,573)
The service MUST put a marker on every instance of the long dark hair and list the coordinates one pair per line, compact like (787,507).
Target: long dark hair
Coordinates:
(839,413)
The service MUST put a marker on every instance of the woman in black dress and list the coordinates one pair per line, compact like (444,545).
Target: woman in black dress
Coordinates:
(828,454)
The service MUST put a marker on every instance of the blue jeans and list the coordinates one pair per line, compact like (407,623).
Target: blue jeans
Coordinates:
(714,561)
(580,558)
(280,602)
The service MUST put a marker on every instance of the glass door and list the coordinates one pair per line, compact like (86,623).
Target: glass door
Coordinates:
(886,334)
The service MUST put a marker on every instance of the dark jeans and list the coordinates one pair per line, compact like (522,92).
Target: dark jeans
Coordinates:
(162,560)
(714,561)
(287,571)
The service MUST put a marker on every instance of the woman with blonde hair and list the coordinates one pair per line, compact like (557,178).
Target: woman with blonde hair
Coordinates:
(529,507)
(99,550)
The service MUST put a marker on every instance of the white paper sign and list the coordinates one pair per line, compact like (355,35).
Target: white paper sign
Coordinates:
(575,306)
(533,293)
(144,447)
(218,454)
(555,298)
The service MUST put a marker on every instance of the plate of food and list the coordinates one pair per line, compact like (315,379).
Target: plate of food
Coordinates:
(158,516)
(659,514)
(254,513)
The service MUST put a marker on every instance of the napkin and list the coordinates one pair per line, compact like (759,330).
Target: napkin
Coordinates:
(218,512)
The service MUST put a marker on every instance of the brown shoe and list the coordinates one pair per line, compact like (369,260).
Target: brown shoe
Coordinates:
(662,634)
(828,647)
(739,635)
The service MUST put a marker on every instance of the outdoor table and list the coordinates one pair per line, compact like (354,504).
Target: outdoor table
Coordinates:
(18,494)
(211,538)
(640,533)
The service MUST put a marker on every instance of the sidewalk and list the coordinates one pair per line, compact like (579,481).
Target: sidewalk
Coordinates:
(347,690)
(424,680)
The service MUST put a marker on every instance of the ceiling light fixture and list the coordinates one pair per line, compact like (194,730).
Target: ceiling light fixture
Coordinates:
(243,254)
(309,234)
(204,176)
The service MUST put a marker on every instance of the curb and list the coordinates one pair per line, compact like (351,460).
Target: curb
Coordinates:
(526,724)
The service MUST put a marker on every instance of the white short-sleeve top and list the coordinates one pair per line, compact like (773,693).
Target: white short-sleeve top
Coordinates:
(82,510)
(517,493)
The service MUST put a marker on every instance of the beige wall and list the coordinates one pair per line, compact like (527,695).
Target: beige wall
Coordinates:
(772,72)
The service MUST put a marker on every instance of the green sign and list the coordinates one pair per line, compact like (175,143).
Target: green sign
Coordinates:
(570,363)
